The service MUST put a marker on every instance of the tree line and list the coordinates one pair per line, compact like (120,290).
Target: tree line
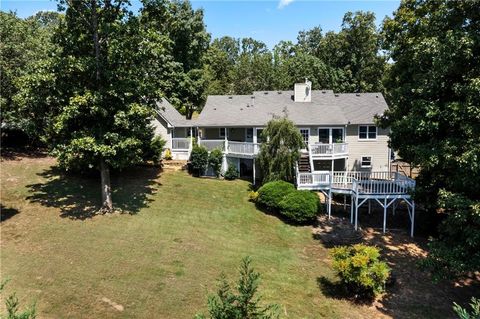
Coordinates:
(83,82)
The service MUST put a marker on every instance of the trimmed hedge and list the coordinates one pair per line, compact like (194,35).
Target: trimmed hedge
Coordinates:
(300,206)
(271,194)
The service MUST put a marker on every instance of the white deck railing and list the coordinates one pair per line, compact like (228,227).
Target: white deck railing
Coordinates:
(210,145)
(230,147)
(243,148)
(328,150)
(182,144)
(358,182)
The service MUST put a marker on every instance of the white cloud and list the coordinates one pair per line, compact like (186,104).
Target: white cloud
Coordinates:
(284,3)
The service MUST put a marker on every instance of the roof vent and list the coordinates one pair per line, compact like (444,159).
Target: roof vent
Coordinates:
(214,108)
(265,93)
(279,92)
(303,91)
(323,92)
(241,109)
(336,95)
(376,96)
(357,94)
(230,97)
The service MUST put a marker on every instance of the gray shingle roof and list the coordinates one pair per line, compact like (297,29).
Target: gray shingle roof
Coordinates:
(171,115)
(326,108)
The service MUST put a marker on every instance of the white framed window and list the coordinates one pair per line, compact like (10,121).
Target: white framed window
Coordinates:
(222,132)
(329,135)
(366,162)
(249,134)
(367,132)
(305,132)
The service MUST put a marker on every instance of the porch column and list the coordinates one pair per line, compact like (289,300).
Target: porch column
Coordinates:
(254,171)
(384,215)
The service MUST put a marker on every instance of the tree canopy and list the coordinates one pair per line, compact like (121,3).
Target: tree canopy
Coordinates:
(281,150)
(434,96)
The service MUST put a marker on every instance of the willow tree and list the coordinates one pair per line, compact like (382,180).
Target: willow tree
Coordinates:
(280,150)
(103,92)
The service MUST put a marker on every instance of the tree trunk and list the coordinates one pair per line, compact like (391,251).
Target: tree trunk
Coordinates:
(107,205)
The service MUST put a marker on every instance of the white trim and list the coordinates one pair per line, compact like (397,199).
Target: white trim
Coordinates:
(367,138)
(330,136)
(366,166)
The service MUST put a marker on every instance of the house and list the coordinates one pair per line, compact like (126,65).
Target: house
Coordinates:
(344,153)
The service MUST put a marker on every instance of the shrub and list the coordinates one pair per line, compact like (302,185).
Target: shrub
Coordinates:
(360,269)
(199,159)
(271,194)
(242,303)
(231,173)
(252,196)
(215,161)
(155,149)
(300,206)
(168,155)
(12,305)
(463,313)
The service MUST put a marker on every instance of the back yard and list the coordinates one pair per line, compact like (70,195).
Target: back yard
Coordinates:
(162,257)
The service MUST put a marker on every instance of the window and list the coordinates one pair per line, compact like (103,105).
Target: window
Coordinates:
(324,135)
(222,132)
(249,134)
(367,132)
(366,161)
(330,135)
(305,134)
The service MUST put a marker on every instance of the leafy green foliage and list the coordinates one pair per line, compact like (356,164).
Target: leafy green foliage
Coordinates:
(272,193)
(360,269)
(199,159)
(463,313)
(215,159)
(244,303)
(280,151)
(300,206)
(231,173)
(13,307)
(434,116)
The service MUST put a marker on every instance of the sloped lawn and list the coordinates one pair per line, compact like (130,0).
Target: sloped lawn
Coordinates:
(161,257)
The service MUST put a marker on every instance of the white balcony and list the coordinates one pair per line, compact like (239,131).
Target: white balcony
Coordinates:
(247,149)
(181,144)
(328,151)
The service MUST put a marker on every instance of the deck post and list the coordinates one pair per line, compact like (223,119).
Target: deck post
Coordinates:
(356,212)
(413,218)
(329,203)
(344,202)
(351,209)
(384,214)
(254,171)
(369,207)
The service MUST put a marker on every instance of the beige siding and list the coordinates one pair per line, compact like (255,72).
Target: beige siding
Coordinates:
(377,149)
(160,129)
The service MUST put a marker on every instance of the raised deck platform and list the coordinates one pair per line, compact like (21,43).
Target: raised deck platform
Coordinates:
(383,187)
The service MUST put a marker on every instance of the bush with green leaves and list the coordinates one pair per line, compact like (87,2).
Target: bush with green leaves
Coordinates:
(12,305)
(231,173)
(300,206)
(199,159)
(243,303)
(271,194)
(215,159)
(463,313)
(360,269)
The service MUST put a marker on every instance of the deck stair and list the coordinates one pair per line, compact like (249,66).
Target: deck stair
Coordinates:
(304,164)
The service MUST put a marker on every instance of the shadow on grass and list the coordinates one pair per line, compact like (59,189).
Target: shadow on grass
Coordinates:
(7,212)
(337,290)
(79,196)
(413,293)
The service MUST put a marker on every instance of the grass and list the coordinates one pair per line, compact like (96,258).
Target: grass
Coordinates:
(160,259)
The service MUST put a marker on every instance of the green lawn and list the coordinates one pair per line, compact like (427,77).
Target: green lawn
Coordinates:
(161,259)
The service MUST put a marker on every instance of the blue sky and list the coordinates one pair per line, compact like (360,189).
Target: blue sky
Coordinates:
(268,21)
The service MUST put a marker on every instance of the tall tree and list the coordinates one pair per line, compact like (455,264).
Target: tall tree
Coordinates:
(434,115)
(103,92)
(26,44)
(189,41)
(281,151)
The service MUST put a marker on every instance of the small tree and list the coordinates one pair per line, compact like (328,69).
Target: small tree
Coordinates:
(280,150)
(244,303)
(199,159)
(12,305)
(463,313)
(215,161)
